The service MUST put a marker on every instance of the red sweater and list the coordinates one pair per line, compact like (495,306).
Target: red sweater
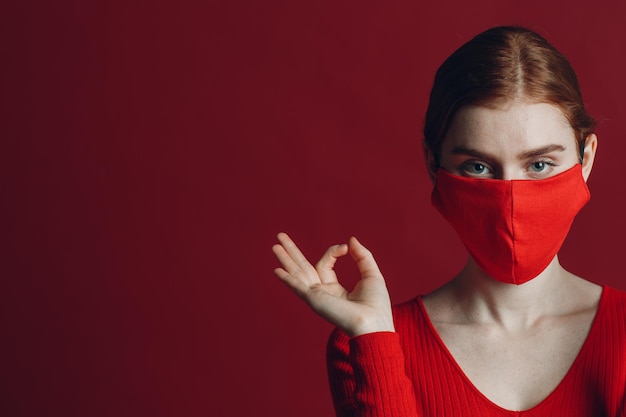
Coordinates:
(410,373)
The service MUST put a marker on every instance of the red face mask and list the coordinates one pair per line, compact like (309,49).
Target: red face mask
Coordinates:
(511,228)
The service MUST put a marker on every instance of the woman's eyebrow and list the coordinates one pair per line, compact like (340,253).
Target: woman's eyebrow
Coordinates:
(532,153)
(540,151)
(464,150)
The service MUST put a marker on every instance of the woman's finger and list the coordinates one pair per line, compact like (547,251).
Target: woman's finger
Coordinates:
(308,275)
(326,263)
(293,282)
(364,259)
(286,261)
(293,251)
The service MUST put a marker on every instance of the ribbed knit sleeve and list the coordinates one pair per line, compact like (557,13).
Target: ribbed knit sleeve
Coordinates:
(367,376)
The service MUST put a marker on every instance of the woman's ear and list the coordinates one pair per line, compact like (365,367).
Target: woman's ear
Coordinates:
(589,154)
(432,165)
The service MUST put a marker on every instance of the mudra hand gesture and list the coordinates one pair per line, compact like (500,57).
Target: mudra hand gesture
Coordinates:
(366,309)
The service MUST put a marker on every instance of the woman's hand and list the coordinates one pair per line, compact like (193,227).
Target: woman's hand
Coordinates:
(366,309)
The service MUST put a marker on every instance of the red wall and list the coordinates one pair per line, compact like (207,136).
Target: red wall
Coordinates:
(151,150)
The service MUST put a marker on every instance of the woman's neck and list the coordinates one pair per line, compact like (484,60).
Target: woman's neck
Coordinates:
(481,299)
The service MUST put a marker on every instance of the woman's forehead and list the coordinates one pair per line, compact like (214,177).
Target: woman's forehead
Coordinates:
(517,125)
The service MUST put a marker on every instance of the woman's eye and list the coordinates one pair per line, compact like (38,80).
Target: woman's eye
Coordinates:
(541,166)
(478,168)
(538,166)
(475,168)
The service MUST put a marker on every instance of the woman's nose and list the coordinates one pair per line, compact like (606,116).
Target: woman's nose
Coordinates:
(510,173)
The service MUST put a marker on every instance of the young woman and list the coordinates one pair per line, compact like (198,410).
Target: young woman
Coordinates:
(509,147)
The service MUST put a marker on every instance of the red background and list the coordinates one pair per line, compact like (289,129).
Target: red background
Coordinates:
(151,151)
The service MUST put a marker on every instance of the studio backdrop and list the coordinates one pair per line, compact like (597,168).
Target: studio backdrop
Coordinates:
(151,150)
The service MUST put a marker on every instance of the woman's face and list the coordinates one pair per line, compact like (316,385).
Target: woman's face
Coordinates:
(518,140)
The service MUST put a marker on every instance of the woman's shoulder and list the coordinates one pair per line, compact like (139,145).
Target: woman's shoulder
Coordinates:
(614,292)
(611,313)
(408,310)
(613,299)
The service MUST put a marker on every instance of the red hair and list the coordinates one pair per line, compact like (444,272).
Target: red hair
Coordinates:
(498,65)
